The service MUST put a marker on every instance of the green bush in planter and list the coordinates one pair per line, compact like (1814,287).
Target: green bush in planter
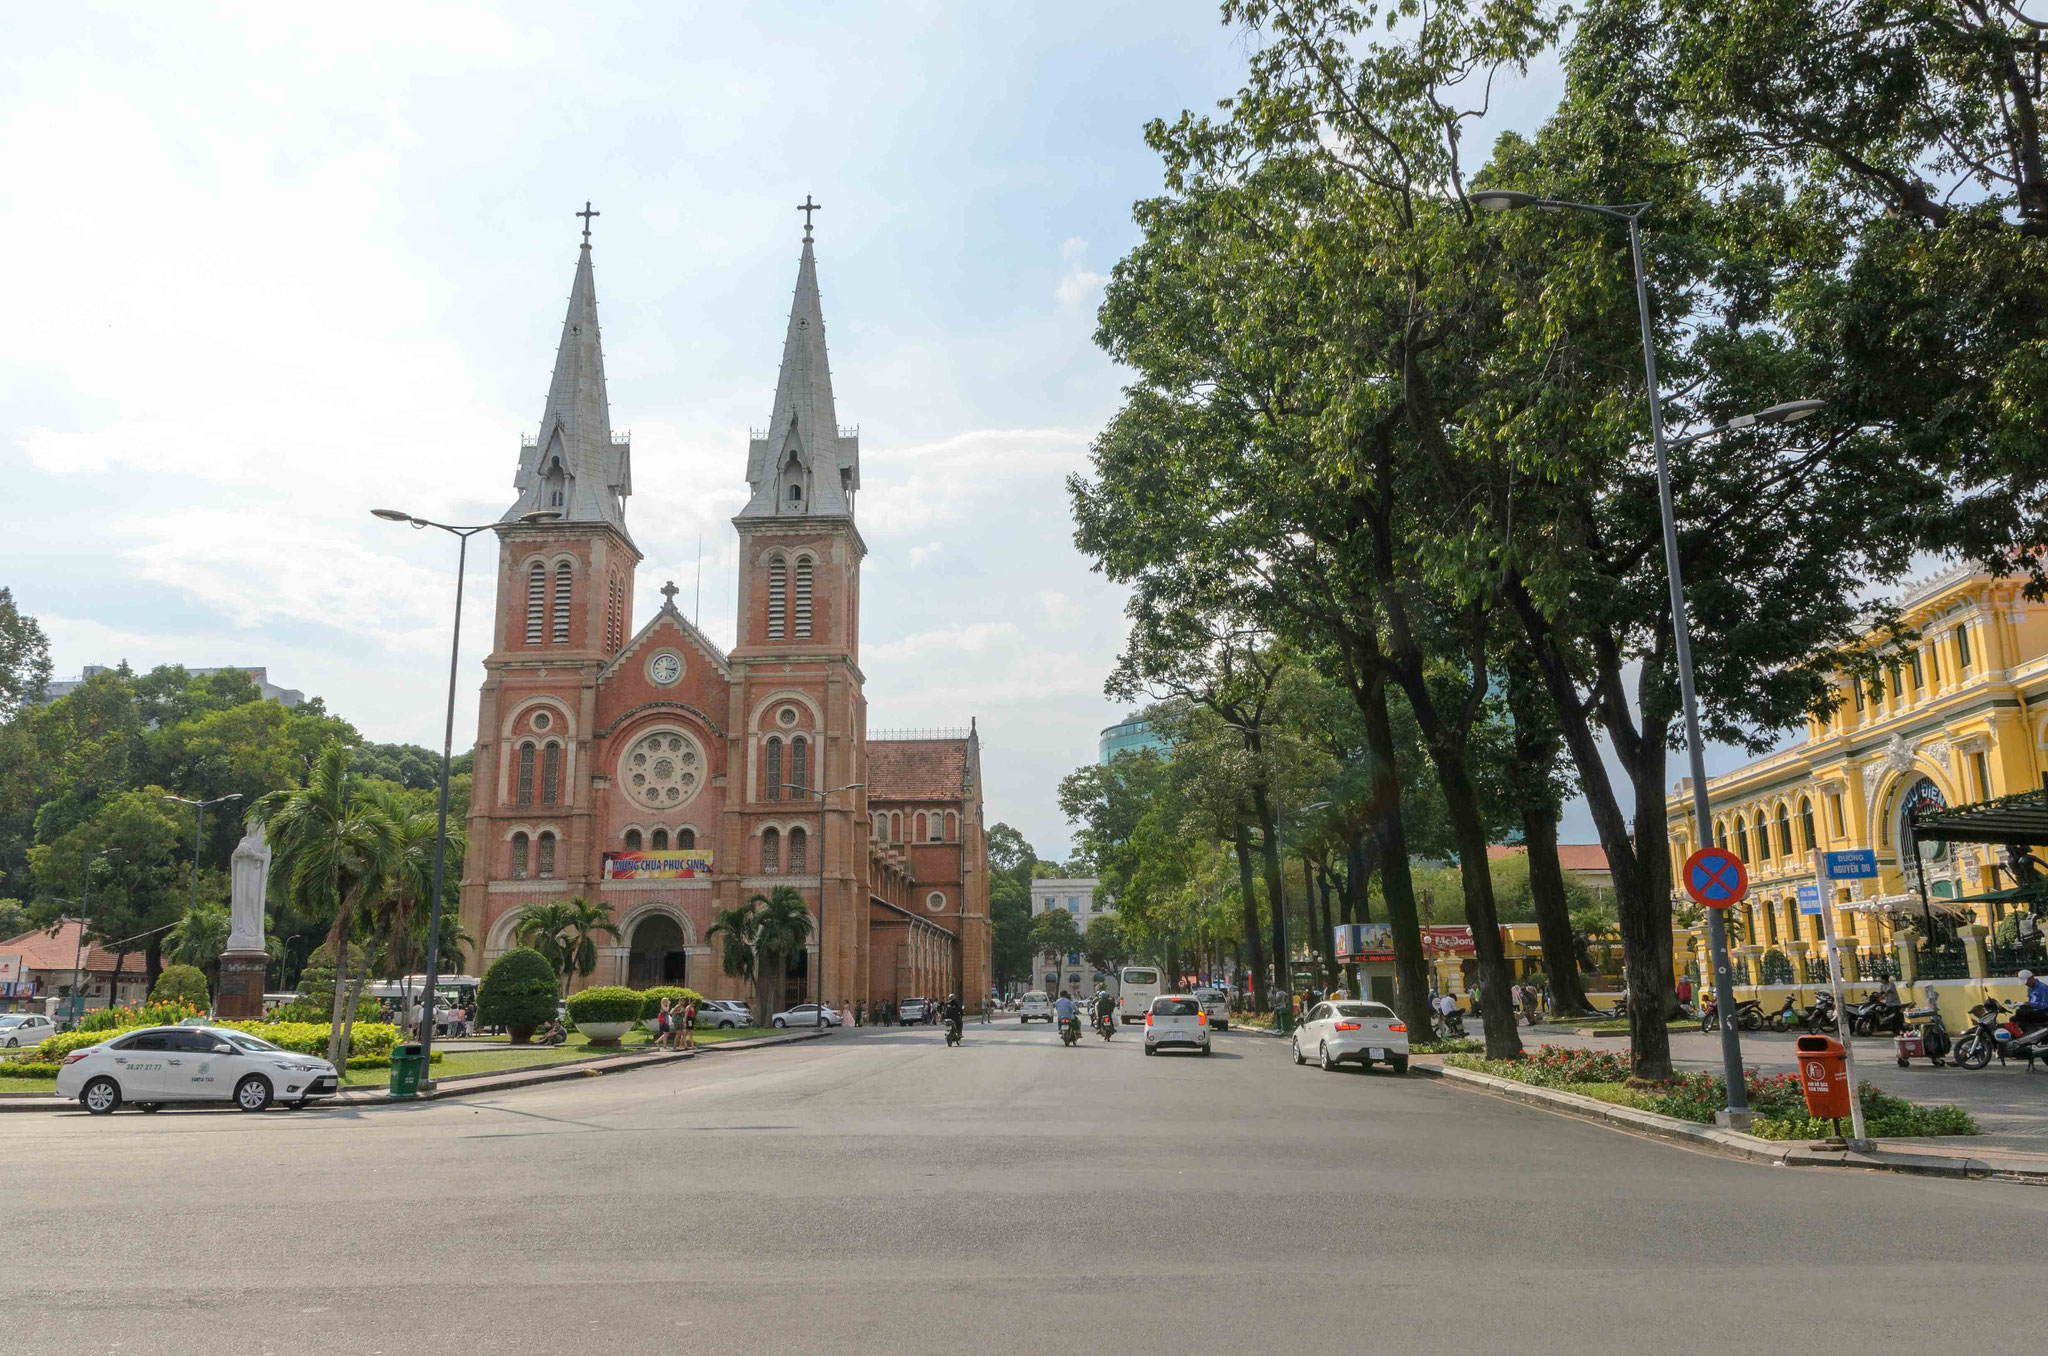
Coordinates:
(608,1003)
(518,992)
(182,984)
(650,1000)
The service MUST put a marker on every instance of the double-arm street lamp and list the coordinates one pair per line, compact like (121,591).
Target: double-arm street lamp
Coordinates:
(462,535)
(200,807)
(1502,200)
(821,795)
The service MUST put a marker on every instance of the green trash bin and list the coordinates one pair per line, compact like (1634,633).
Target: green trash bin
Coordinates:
(406,1063)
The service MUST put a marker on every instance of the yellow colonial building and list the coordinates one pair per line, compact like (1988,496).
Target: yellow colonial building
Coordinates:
(1959,716)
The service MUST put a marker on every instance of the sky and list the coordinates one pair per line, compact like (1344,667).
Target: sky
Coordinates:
(274,267)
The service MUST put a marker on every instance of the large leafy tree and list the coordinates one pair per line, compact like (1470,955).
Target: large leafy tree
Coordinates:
(565,931)
(333,850)
(24,658)
(134,896)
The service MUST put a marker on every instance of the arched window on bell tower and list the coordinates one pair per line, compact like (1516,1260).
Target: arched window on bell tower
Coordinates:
(802,611)
(778,596)
(563,586)
(536,602)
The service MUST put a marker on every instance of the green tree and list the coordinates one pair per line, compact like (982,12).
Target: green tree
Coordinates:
(565,931)
(1103,944)
(199,939)
(182,984)
(24,658)
(734,929)
(14,918)
(781,926)
(333,849)
(1054,932)
(134,897)
(518,993)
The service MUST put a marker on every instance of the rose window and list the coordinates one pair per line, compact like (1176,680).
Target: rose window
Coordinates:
(662,769)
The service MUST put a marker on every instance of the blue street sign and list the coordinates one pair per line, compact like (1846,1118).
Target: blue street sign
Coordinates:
(1860,864)
(1809,898)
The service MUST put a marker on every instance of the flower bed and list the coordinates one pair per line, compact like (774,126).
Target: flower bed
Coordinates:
(1779,1105)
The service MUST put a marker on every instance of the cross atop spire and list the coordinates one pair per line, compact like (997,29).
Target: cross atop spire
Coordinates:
(804,463)
(669,592)
(806,207)
(587,214)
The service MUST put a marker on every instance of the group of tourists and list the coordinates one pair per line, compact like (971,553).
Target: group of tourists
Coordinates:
(675,1025)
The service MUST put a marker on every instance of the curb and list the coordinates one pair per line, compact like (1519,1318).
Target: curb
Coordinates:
(462,1085)
(1733,1143)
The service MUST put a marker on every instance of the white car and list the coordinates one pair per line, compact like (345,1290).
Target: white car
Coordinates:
(160,1065)
(1176,1021)
(805,1014)
(20,1030)
(723,1014)
(1034,1007)
(1216,1003)
(1352,1031)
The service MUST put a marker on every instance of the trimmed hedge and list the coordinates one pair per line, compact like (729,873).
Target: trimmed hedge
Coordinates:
(149,1014)
(27,1068)
(606,1003)
(518,990)
(650,1000)
(305,1038)
(182,984)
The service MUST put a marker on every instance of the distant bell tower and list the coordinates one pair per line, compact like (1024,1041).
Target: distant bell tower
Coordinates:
(797,724)
(565,589)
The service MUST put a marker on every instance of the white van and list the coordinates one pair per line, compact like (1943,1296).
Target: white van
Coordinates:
(1137,986)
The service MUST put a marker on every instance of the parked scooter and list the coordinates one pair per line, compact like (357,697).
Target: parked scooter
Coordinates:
(1821,1016)
(1975,1047)
(1749,1014)
(2024,1035)
(1785,1018)
(1876,1014)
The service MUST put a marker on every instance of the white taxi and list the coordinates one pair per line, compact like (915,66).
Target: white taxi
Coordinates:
(1352,1031)
(162,1065)
(1217,1004)
(19,1030)
(1176,1020)
(1034,1007)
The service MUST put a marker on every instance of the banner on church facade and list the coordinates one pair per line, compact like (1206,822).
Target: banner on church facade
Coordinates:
(682,864)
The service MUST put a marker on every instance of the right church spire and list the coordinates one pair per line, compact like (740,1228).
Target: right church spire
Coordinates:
(805,464)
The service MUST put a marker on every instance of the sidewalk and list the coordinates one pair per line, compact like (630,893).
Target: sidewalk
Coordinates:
(476,1084)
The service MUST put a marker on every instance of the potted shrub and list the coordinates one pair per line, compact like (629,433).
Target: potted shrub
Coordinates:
(605,1013)
(518,993)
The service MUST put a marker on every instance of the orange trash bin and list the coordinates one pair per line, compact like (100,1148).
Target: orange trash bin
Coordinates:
(1824,1076)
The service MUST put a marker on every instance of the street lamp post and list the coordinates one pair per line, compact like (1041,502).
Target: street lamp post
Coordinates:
(78,952)
(821,795)
(200,807)
(462,535)
(1737,1113)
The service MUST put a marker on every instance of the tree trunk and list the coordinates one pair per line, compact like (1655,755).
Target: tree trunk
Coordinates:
(1276,896)
(113,984)
(1326,941)
(1553,913)
(348,1020)
(1468,830)
(152,960)
(334,1024)
(1255,947)
(1411,969)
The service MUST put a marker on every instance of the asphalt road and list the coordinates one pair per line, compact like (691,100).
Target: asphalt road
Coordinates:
(877,1192)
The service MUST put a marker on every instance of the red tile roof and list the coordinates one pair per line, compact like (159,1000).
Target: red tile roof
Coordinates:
(1570,856)
(41,950)
(917,769)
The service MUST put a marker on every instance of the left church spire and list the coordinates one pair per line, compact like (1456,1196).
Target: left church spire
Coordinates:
(575,466)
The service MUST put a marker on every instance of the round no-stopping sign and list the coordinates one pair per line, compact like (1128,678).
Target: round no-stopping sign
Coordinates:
(1715,877)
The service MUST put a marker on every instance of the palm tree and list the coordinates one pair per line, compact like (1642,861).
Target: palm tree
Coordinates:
(734,928)
(565,931)
(410,881)
(782,923)
(198,939)
(333,849)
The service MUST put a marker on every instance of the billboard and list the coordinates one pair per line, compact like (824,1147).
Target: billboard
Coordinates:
(674,864)
(1365,941)
(10,970)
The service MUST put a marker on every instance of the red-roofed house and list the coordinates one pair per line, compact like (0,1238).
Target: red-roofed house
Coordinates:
(37,966)
(1585,861)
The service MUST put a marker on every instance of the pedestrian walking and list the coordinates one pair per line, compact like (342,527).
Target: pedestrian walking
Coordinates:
(662,1027)
(689,1027)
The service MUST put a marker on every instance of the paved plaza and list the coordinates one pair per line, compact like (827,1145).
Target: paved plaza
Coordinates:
(876,1191)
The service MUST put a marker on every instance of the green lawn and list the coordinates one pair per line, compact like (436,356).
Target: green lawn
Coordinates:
(453,1062)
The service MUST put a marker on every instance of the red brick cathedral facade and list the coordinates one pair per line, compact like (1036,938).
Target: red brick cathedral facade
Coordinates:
(598,739)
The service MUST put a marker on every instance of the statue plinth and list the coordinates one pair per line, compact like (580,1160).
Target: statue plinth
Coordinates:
(241,985)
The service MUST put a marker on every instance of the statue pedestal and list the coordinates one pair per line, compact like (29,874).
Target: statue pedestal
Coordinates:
(241,986)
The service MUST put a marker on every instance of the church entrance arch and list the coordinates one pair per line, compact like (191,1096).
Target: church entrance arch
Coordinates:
(656,954)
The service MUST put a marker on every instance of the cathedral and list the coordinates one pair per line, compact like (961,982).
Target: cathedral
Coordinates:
(642,767)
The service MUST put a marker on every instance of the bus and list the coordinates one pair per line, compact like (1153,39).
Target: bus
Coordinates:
(1137,986)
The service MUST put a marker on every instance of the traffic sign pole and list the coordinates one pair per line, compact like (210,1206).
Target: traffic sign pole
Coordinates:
(1717,889)
(1858,1140)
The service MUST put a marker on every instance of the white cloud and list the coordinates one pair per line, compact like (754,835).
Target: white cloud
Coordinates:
(920,554)
(1060,610)
(970,639)
(937,482)
(1077,282)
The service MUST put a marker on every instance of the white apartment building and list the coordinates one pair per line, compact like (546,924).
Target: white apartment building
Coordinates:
(1072,972)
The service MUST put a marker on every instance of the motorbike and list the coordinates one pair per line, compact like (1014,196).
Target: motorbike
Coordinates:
(1875,1014)
(1450,1025)
(1975,1047)
(952,1031)
(1821,1016)
(1785,1018)
(1106,1025)
(1070,1030)
(1749,1014)
(2008,1032)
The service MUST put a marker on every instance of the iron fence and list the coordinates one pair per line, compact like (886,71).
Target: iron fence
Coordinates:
(1776,967)
(1877,964)
(1815,968)
(2010,960)
(1943,962)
